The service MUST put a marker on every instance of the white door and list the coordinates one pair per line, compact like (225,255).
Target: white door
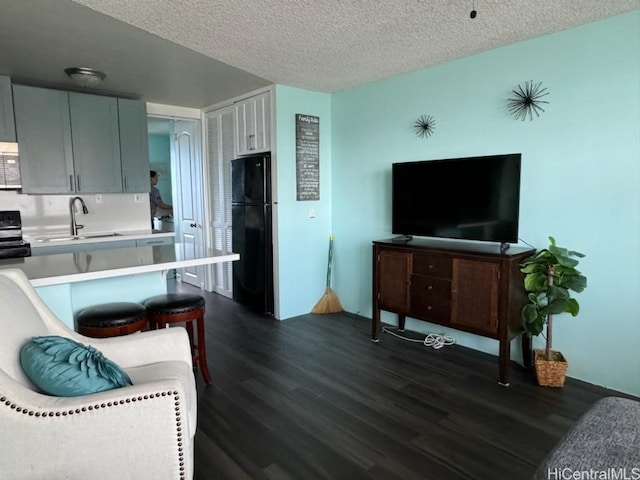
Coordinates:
(188,209)
(219,127)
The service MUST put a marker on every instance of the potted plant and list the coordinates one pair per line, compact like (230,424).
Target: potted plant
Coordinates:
(550,275)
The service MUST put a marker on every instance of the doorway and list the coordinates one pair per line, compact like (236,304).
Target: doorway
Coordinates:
(182,175)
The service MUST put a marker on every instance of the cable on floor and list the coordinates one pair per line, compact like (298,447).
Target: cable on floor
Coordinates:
(435,340)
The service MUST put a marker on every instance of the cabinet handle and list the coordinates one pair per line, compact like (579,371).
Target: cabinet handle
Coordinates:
(193,225)
(126,183)
(78,182)
(429,287)
(428,307)
(430,267)
(71,183)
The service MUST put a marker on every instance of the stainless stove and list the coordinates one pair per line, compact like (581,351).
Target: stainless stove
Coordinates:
(11,243)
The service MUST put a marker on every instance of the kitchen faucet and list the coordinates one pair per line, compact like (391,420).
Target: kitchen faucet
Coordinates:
(72,212)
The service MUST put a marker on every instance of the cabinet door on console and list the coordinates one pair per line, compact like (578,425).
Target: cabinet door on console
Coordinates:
(394,270)
(475,287)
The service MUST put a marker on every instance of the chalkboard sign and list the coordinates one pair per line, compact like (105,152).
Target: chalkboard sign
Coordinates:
(307,157)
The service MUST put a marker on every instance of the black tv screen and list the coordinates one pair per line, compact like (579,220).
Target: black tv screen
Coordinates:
(472,198)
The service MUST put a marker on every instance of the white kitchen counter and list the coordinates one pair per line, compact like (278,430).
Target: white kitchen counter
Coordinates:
(94,264)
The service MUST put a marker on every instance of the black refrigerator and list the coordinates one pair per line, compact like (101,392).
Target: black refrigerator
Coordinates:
(251,229)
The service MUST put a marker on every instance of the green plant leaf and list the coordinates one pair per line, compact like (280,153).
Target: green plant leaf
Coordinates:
(535,282)
(529,313)
(561,305)
(533,298)
(557,292)
(577,284)
(566,261)
(573,307)
(535,326)
(555,307)
(532,268)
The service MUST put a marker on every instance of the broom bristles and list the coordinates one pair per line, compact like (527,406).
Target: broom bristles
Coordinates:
(329,303)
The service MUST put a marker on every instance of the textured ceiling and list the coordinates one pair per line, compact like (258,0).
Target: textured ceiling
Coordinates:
(196,53)
(328,45)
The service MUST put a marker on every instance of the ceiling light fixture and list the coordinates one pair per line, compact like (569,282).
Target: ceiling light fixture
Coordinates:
(473,10)
(85,77)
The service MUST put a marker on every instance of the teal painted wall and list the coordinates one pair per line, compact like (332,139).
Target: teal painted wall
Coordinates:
(580,174)
(303,241)
(160,154)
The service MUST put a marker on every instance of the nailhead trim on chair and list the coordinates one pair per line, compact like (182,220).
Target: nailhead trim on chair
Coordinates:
(179,438)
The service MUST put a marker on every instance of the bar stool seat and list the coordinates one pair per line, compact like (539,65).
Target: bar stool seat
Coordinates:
(170,308)
(111,319)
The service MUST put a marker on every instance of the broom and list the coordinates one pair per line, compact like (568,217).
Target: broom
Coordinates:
(329,303)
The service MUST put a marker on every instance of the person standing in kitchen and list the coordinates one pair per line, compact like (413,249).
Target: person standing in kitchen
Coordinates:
(155,200)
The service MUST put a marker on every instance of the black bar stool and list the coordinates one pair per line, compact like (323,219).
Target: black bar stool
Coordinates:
(111,319)
(169,308)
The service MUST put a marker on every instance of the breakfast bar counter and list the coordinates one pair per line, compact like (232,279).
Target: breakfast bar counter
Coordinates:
(85,265)
(68,282)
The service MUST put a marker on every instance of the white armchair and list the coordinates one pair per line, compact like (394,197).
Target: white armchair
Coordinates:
(142,431)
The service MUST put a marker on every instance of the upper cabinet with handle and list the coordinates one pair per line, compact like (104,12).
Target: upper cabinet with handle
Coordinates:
(44,137)
(7,125)
(253,124)
(96,143)
(134,146)
(71,142)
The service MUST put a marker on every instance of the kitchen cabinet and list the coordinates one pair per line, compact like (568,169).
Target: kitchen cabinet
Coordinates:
(472,288)
(96,143)
(43,128)
(134,145)
(253,124)
(80,143)
(7,124)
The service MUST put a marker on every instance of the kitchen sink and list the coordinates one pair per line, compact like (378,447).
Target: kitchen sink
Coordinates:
(100,235)
(79,237)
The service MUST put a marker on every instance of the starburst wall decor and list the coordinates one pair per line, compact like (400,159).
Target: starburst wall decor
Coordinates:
(424,126)
(527,100)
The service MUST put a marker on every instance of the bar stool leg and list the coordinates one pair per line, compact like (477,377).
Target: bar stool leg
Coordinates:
(202,352)
(189,326)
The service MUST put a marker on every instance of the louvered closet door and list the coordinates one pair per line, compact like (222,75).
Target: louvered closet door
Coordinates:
(220,150)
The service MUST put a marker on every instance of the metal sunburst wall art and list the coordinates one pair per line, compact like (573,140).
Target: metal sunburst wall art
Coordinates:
(527,100)
(424,126)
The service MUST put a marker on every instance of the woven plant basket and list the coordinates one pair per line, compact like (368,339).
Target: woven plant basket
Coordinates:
(550,373)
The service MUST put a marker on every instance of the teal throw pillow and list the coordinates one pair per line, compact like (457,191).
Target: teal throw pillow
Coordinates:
(65,368)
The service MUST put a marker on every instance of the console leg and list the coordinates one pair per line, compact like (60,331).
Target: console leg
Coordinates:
(526,351)
(503,361)
(401,320)
(375,325)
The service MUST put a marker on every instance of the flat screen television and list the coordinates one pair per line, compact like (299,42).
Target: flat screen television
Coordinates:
(472,198)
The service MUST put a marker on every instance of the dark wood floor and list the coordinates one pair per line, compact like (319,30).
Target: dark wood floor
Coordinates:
(314,398)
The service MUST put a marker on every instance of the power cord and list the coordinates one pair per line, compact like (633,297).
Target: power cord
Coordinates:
(435,340)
